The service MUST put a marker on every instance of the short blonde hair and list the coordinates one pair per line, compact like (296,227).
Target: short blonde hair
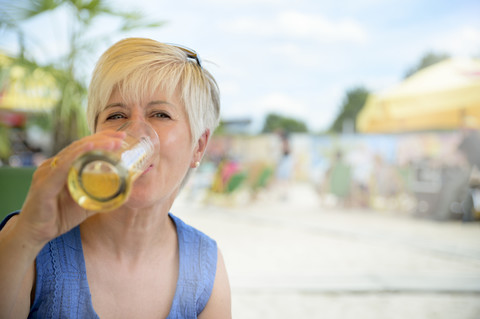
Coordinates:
(140,66)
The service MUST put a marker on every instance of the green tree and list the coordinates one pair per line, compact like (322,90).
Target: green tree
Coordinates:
(275,122)
(427,60)
(353,102)
(68,119)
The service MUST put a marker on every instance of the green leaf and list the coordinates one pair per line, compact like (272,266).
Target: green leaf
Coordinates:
(68,118)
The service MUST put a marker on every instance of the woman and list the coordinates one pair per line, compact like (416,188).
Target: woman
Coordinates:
(138,261)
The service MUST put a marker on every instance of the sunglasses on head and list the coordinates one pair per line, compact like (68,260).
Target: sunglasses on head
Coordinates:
(191,54)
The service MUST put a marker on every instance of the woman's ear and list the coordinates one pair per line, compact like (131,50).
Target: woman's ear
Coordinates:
(200,148)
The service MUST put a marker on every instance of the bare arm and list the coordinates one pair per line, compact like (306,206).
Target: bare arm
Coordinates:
(219,304)
(17,271)
(47,212)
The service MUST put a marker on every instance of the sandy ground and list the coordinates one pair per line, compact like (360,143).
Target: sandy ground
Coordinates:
(298,259)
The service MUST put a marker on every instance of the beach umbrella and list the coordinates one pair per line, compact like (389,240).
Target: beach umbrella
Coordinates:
(443,96)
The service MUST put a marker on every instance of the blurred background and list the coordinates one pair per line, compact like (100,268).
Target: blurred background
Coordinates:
(343,181)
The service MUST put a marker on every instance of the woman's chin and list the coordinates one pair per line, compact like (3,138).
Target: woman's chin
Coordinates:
(139,199)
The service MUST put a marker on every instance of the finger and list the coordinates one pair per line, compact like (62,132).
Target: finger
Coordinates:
(59,166)
(106,140)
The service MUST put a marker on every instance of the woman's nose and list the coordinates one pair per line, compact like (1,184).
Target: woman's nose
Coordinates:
(134,125)
(141,127)
(137,116)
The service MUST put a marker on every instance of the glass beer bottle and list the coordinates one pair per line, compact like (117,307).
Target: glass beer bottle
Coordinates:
(102,180)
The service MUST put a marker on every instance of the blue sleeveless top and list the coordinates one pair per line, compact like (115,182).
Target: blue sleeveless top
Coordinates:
(62,288)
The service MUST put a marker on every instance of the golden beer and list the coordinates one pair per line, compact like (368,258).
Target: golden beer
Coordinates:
(102,181)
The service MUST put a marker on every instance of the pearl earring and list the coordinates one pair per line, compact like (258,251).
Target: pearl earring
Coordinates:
(197,164)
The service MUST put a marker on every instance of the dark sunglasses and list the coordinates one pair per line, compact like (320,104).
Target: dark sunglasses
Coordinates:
(191,54)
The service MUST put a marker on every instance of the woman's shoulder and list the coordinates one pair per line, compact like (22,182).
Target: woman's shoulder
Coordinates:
(198,261)
(190,233)
(195,247)
(7,218)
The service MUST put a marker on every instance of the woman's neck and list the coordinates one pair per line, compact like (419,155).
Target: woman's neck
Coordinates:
(129,234)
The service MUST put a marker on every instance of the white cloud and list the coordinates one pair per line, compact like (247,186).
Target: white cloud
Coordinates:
(229,87)
(296,55)
(281,103)
(464,41)
(301,25)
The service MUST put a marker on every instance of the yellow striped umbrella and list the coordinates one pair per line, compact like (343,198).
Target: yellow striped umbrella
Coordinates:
(443,96)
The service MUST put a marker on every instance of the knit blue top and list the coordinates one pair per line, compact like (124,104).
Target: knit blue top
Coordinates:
(62,289)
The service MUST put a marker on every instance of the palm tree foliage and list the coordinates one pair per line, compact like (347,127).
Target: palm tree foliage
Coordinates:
(68,120)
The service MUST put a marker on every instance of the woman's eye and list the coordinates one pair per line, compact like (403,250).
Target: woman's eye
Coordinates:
(115,116)
(162,115)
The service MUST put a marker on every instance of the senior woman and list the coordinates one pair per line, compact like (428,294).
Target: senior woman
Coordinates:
(58,260)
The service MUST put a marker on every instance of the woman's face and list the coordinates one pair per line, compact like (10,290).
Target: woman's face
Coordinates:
(167,116)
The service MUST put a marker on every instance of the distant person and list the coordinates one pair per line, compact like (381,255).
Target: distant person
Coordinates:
(284,170)
(340,179)
(470,147)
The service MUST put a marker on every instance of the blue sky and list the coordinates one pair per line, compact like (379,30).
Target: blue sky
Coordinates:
(296,57)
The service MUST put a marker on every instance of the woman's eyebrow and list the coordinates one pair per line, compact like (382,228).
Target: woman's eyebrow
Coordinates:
(159,102)
(123,105)
(114,105)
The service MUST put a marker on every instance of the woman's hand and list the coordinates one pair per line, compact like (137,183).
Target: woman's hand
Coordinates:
(49,210)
